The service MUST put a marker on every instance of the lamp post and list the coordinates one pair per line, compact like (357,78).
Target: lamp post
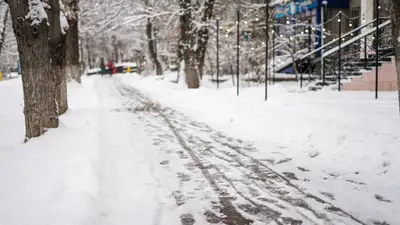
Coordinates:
(323,4)
(237,50)
(309,50)
(273,56)
(266,47)
(376,49)
(340,50)
(218,28)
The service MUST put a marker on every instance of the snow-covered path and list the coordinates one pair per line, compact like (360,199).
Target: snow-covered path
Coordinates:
(190,172)
(342,147)
(128,182)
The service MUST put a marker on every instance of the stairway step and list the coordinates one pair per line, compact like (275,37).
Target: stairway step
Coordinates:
(386,59)
(362,65)
(370,59)
(374,64)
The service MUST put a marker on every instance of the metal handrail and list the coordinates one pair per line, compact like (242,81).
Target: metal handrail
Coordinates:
(330,43)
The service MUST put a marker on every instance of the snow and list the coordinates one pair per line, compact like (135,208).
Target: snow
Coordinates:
(36,13)
(345,144)
(63,23)
(13,75)
(50,180)
(101,166)
(118,158)
(94,70)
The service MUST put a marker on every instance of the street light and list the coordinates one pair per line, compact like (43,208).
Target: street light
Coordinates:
(324,3)
(377,7)
(266,47)
(237,49)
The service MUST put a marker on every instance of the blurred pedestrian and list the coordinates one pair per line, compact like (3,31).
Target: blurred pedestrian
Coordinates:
(102,67)
(111,68)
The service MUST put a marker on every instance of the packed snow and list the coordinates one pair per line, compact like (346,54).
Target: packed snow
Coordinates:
(147,150)
(342,146)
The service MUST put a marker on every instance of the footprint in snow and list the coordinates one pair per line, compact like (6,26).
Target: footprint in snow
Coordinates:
(165,162)
(303,169)
(187,219)
(382,199)
(313,154)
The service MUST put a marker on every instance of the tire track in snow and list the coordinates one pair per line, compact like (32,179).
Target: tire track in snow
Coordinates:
(217,138)
(180,126)
(232,216)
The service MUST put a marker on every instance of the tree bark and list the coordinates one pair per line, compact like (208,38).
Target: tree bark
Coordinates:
(33,48)
(72,41)
(57,57)
(72,51)
(81,60)
(203,36)
(187,42)
(88,54)
(152,44)
(395,15)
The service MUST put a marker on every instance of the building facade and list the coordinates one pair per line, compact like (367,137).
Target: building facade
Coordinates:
(354,14)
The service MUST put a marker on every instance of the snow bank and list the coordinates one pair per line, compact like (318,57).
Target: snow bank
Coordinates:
(343,147)
(52,179)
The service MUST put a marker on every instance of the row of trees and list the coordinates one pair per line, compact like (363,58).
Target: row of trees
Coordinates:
(47,38)
(156,31)
(51,48)
(162,32)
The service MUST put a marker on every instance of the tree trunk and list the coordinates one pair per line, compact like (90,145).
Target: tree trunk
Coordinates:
(395,15)
(116,54)
(3,20)
(203,36)
(152,44)
(82,60)
(57,54)
(191,76)
(88,53)
(32,40)
(72,51)
(187,44)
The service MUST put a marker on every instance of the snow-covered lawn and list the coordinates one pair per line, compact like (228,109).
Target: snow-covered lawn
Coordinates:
(50,180)
(344,147)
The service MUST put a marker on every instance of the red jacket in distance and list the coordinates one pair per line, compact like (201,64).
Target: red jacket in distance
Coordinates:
(110,65)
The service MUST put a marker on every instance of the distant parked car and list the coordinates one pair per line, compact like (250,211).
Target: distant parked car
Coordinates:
(173,67)
(126,67)
(120,67)
(94,71)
